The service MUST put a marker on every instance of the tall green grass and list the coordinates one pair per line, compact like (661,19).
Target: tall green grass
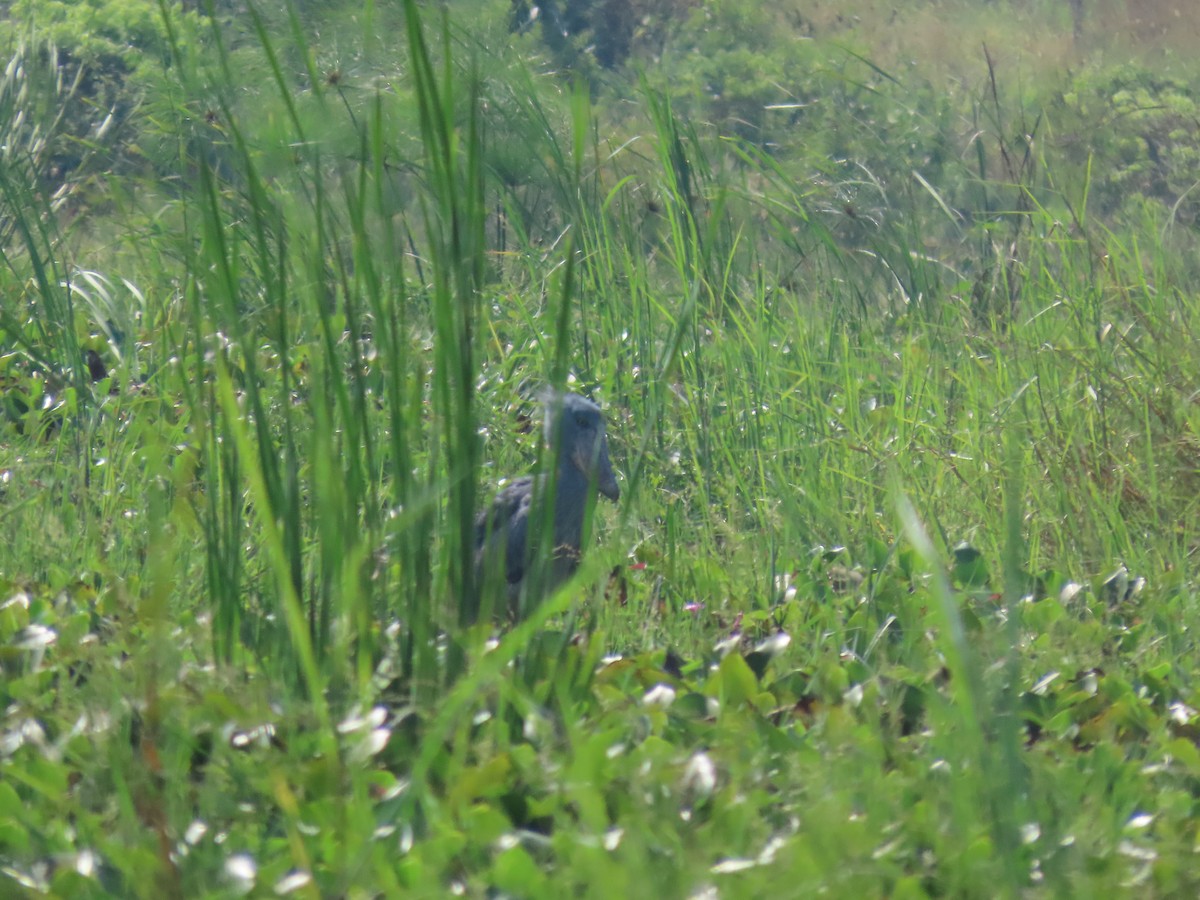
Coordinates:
(359,283)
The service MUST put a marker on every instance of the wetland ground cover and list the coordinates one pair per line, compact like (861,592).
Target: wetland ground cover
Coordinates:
(898,355)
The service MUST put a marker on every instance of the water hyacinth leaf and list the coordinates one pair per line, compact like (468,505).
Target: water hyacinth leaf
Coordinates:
(831,680)
(791,686)
(1121,587)
(1114,588)
(775,644)
(14,837)
(616,669)
(969,570)
(691,705)
(517,874)
(757,660)
(487,780)
(878,553)
(14,614)
(1183,751)
(74,628)
(909,888)
(1049,582)
(485,824)
(735,684)
(1040,617)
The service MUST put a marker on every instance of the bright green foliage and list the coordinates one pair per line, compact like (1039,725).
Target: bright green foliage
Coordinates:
(105,55)
(97,33)
(900,598)
(829,768)
(1154,153)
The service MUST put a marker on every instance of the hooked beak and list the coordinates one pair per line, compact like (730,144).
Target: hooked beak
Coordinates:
(606,478)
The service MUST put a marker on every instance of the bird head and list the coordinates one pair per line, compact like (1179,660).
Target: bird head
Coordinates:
(575,426)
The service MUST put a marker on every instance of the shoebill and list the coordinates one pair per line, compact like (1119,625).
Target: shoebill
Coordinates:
(509,531)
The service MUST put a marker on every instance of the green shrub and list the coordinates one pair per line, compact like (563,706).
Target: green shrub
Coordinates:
(106,51)
(1141,131)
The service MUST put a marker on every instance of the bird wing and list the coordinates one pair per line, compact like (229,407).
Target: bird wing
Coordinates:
(506,522)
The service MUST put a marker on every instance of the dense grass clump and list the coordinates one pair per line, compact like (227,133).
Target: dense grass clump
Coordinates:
(899,363)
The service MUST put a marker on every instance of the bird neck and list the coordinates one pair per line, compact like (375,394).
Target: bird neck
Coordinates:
(572,491)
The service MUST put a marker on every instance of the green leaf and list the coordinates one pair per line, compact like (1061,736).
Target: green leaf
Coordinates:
(487,780)
(517,874)
(735,684)
(485,824)
(1185,753)
(970,570)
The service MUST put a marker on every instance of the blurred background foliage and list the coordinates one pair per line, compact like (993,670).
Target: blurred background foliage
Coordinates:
(716,168)
(846,101)
(277,280)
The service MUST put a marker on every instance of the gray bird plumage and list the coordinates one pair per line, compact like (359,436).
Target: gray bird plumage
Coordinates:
(506,533)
